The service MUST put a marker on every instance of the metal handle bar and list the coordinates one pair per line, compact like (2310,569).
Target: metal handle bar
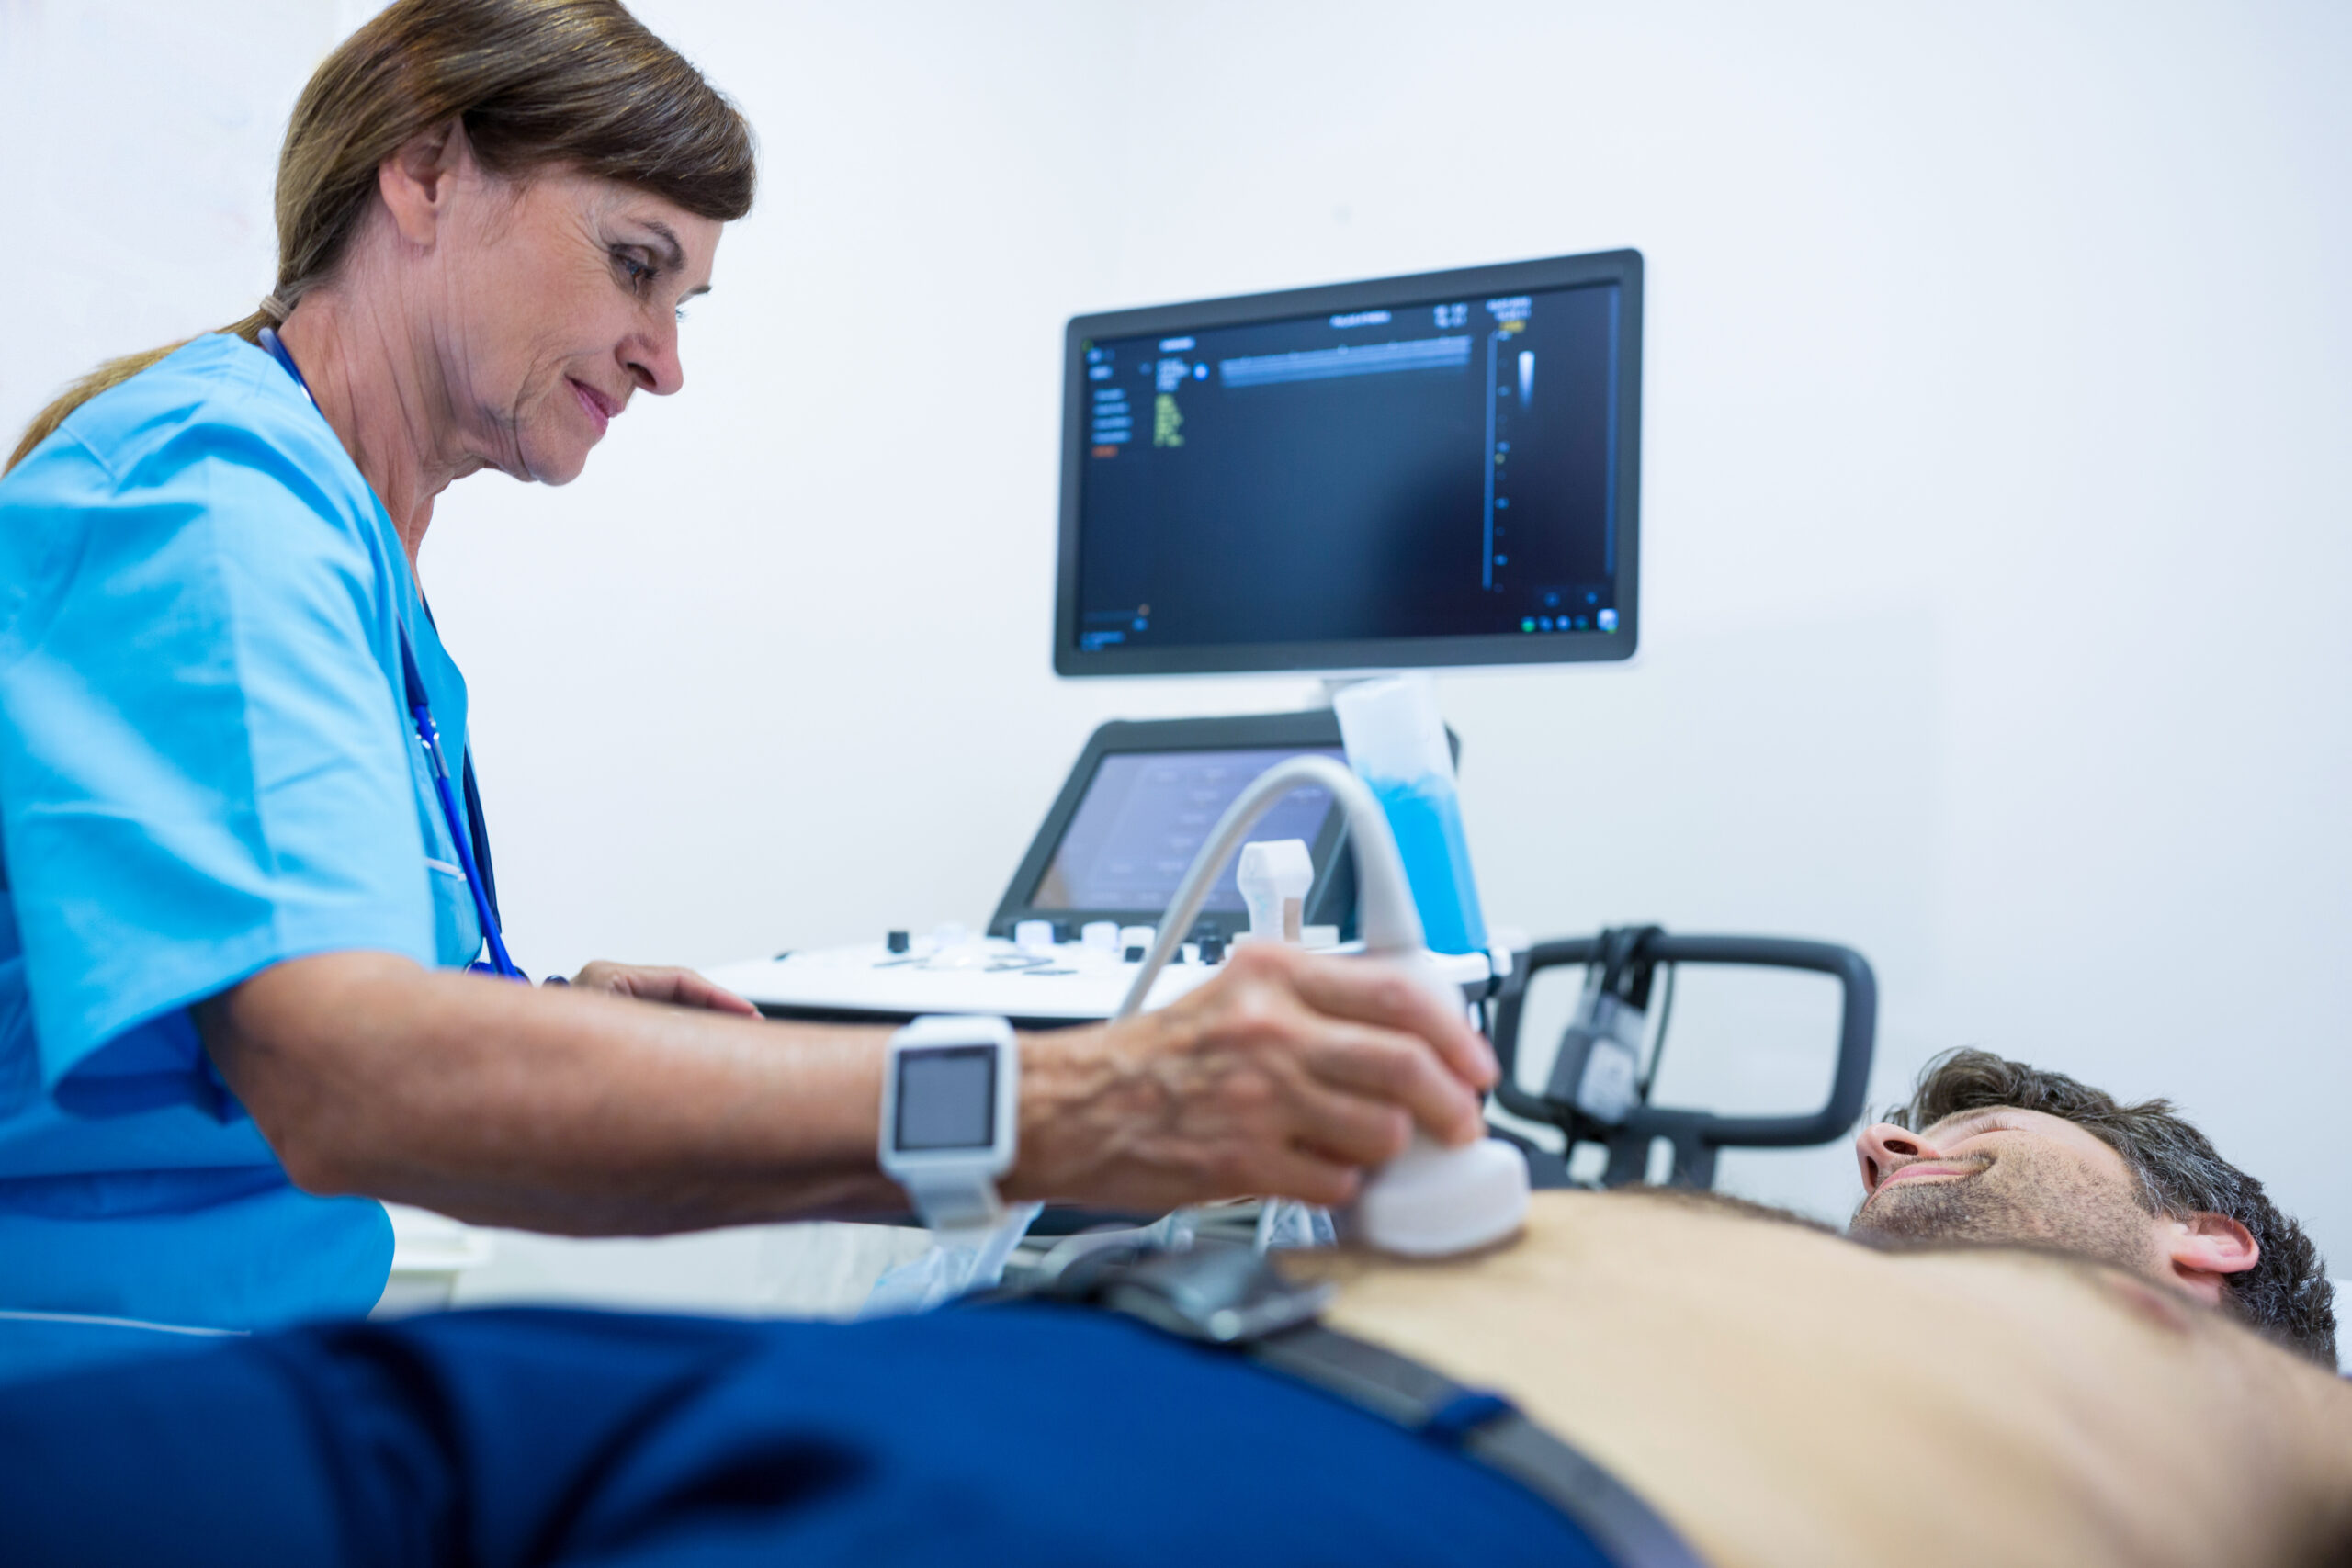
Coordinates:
(1857,1034)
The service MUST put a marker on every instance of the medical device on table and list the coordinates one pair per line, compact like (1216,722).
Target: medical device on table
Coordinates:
(1401,474)
(1345,495)
(1136,805)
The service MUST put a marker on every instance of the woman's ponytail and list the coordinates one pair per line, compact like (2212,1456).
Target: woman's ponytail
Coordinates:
(113,373)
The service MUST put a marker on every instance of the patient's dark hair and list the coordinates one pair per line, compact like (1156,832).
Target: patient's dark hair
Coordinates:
(2286,1294)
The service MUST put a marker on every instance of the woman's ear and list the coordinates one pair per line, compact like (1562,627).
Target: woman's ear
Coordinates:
(414,181)
(2205,1250)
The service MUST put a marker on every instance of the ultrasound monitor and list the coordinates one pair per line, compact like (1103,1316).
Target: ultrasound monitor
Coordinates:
(1415,471)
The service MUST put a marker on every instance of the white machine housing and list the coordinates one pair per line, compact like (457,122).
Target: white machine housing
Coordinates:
(866,982)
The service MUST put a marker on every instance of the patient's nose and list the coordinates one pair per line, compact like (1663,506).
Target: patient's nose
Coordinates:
(1883,1146)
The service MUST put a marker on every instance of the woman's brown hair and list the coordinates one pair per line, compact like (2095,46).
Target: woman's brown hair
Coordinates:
(537,84)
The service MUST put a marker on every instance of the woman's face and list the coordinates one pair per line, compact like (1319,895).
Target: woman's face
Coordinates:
(562,297)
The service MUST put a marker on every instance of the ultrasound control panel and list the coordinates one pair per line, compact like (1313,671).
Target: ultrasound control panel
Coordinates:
(1065,943)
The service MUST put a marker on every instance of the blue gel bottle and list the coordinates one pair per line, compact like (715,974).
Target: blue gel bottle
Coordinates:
(1396,742)
(1426,817)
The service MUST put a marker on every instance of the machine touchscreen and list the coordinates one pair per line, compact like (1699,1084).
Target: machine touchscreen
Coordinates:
(1145,815)
(1141,800)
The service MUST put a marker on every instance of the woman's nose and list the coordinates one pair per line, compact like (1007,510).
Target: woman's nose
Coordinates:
(653,361)
(1883,1146)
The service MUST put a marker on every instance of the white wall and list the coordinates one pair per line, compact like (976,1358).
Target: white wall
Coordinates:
(1996,506)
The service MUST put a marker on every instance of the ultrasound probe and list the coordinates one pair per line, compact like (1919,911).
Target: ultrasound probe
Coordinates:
(1428,1202)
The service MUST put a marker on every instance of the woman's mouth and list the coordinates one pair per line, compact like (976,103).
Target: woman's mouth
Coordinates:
(600,411)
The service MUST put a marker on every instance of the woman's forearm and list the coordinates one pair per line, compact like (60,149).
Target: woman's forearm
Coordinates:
(594,1114)
(565,1112)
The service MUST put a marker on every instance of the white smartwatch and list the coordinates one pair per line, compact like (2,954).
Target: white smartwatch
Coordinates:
(951,1099)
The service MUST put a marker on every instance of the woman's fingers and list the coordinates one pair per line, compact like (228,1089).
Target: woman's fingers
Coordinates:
(601,975)
(1374,992)
(1350,1129)
(1385,1067)
(695,991)
(660,983)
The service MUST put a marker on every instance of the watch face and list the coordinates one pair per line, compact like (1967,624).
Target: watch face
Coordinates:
(947,1099)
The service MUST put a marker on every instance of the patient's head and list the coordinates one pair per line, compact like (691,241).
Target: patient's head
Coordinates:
(1991,1150)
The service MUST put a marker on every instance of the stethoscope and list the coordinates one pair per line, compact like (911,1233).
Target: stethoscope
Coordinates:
(466,830)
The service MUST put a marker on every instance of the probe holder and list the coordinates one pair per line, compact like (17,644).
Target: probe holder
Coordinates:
(1631,954)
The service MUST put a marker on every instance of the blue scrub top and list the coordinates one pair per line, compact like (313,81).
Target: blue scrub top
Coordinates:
(205,769)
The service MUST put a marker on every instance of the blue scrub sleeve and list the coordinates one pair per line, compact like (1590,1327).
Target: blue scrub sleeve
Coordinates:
(203,769)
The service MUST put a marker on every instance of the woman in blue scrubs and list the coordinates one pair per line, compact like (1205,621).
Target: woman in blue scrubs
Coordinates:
(235,1005)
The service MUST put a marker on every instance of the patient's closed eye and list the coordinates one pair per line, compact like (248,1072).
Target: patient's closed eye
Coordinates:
(1965,1132)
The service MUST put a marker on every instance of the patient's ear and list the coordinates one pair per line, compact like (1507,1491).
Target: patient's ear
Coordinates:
(2205,1250)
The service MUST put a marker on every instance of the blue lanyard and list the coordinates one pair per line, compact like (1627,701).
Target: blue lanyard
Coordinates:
(467,829)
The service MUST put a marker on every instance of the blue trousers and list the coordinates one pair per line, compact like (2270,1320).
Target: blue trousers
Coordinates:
(1030,1434)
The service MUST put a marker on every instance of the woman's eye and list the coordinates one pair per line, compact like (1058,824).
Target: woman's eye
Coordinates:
(639,273)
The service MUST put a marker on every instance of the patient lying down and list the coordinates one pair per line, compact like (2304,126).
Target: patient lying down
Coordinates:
(1784,1396)
(1777,1393)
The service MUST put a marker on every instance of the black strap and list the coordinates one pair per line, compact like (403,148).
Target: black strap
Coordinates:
(1488,1428)
(1231,1296)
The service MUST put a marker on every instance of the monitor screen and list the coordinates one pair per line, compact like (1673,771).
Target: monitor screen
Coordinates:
(1419,471)
(1146,814)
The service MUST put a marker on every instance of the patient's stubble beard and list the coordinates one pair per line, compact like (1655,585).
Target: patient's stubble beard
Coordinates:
(2016,1200)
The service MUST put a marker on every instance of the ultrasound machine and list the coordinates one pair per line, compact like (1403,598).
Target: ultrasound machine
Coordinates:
(1408,473)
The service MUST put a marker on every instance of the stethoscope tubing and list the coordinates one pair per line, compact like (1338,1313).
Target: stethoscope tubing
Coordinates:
(428,734)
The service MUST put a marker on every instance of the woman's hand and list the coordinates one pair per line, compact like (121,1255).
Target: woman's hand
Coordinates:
(652,983)
(1287,1074)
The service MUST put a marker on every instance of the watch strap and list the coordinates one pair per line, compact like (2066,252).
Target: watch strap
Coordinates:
(967,1205)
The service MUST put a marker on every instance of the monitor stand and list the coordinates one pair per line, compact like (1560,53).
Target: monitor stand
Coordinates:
(1330,686)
